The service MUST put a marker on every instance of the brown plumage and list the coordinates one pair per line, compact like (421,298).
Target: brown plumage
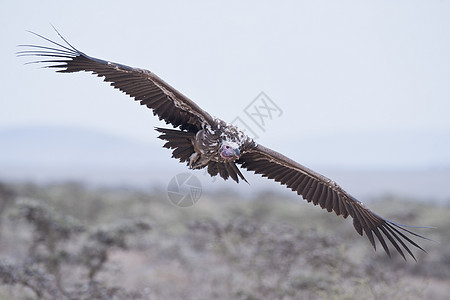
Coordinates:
(201,141)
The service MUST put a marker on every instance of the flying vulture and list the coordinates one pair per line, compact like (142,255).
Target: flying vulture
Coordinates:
(203,141)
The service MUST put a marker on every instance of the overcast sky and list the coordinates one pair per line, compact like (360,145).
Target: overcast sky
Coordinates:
(335,69)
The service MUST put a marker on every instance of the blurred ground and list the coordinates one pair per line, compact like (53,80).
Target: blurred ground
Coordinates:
(223,247)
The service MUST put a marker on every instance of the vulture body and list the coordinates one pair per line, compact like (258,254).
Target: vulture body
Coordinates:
(202,141)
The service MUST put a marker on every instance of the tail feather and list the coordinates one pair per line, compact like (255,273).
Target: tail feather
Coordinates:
(180,141)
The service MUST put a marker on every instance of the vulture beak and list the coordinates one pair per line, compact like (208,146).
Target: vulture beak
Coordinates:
(230,151)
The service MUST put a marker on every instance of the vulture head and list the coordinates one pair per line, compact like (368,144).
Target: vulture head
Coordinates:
(229,150)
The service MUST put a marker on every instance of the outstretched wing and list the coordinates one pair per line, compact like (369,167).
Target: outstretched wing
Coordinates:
(322,191)
(144,86)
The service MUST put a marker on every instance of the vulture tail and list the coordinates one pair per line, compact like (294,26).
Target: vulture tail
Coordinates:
(180,141)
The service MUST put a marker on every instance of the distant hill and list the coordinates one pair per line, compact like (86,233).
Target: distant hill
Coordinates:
(408,166)
(47,153)
(374,150)
(65,146)
(52,146)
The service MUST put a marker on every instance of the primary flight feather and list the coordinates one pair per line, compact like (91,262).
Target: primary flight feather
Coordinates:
(203,141)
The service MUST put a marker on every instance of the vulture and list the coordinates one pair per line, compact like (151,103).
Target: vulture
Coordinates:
(203,141)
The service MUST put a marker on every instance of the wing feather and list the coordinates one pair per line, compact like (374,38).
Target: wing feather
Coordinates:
(143,85)
(304,186)
(322,191)
(293,180)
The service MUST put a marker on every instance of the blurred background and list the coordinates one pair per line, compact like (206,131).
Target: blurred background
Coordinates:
(362,90)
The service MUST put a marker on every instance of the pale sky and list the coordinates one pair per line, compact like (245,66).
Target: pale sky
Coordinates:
(336,69)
